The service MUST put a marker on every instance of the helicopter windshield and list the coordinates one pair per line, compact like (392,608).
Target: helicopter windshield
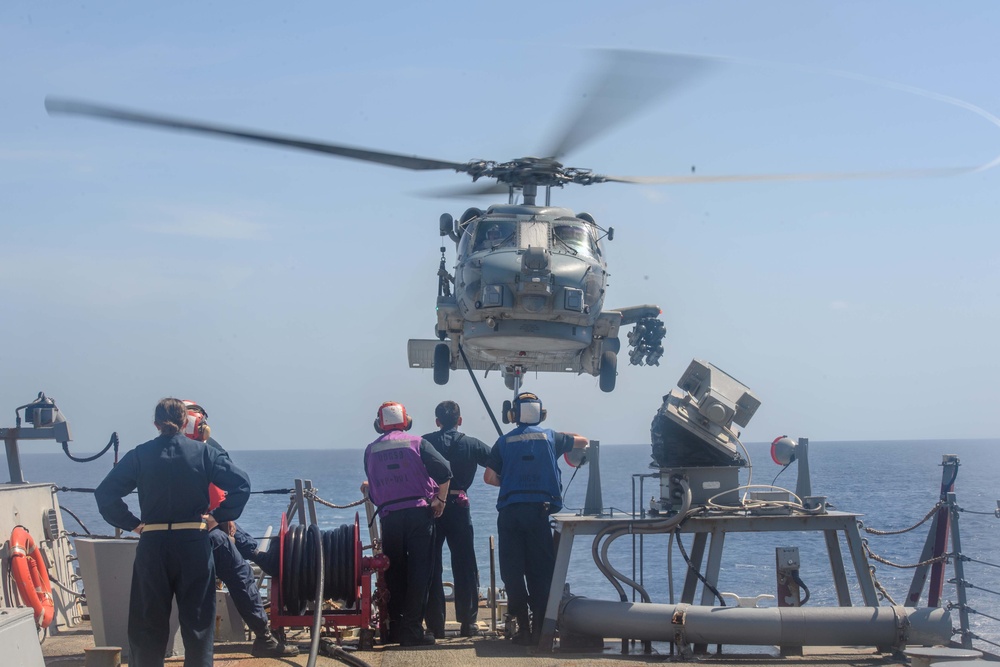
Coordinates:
(574,237)
(493,234)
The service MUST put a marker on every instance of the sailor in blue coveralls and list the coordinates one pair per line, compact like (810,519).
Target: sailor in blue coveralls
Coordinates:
(408,482)
(174,557)
(465,454)
(230,565)
(523,464)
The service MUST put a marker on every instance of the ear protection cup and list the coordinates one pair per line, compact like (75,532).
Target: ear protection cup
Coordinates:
(391,416)
(378,429)
(513,413)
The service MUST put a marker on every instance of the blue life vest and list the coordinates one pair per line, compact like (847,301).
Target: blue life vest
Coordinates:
(530,473)
(397,477)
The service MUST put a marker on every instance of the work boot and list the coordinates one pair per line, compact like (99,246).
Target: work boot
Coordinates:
(266,645)
(522,631)
(426,639)
(469,630)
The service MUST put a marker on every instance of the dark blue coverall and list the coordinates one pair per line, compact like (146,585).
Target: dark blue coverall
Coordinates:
(234,571)
(465,454)
(172,474)
(527,553)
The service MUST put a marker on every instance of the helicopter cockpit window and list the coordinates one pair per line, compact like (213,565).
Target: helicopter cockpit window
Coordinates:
(574,238)
(533,234)
(493,234)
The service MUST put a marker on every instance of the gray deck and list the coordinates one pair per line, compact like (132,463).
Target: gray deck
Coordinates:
(68,650)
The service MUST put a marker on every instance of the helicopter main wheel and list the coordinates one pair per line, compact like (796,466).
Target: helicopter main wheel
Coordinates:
(609,371)
(442,363)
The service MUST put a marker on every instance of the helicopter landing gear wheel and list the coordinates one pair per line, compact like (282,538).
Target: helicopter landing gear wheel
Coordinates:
(509,381)
(442,363)
(609,371)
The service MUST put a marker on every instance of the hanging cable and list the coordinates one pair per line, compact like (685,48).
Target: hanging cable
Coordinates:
(482,396)
(70,512)
(701,577)
(315,537)
(113,442)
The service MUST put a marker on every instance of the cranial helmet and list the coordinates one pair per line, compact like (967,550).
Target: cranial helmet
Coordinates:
(392,417)
(527,409)
(197,419)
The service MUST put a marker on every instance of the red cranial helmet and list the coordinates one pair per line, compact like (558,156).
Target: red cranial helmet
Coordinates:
(197,419)
(392,417)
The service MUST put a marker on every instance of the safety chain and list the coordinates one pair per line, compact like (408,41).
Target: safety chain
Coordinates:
(876,557)
(880,588)
(311,494)
(873,531)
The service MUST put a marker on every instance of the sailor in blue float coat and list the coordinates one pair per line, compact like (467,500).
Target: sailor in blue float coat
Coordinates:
(523,464)
(174,558)
(408,482)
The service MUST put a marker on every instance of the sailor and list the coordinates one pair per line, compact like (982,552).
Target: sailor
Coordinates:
(523,464)
(173,558)
(465,454)
(230,566)
(408,482)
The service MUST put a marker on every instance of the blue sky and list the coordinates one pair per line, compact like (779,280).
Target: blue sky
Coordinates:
(278,288)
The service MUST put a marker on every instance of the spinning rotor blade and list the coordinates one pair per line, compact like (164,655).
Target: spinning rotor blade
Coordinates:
(59,105)
(815,176)
(627,82)
(465,191)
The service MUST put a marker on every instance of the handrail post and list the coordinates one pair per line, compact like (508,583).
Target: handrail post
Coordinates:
(959,567)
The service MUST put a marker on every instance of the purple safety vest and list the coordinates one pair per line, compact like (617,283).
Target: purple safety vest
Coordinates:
(397,478)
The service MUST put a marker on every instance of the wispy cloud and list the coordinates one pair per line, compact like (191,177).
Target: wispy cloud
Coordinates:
(839,305)
(207,224)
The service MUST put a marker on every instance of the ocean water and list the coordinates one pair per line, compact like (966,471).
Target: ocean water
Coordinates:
(894,484)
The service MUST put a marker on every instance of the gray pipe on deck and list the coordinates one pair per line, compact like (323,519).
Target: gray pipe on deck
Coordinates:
(780,626)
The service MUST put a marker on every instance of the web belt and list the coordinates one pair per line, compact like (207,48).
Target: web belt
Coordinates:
(186,525)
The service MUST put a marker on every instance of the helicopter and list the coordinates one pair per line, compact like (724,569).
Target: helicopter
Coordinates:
(526,292)
(528,285)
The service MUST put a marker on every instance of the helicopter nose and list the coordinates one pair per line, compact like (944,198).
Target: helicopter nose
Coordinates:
(535,261)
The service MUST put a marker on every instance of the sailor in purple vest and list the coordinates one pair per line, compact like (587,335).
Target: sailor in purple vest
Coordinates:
(408,481)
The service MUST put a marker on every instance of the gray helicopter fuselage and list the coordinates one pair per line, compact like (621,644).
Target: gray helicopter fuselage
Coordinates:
(529,286)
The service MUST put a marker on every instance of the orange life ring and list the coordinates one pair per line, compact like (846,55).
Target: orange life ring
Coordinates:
(30,575)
